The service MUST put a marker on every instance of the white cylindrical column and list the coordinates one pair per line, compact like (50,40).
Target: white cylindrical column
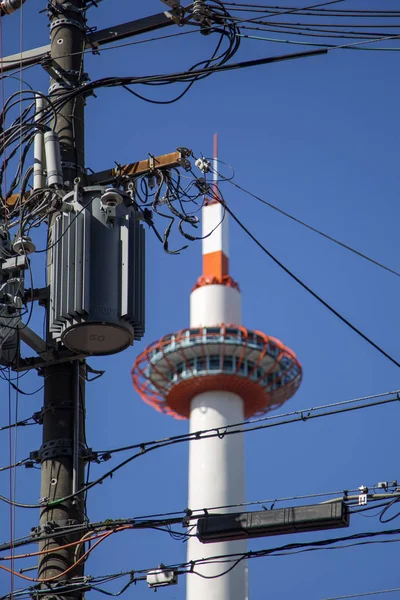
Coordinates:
(216,478)
(39,179)
(213,305)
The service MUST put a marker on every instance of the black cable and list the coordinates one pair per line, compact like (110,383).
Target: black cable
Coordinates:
(227,430)
(307,288)
(310,227)
(393,517)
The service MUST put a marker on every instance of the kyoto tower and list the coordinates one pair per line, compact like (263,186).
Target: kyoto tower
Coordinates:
(216,373)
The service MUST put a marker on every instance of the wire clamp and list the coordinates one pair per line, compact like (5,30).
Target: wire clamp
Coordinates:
(363,496)
(51,527)
(186,518)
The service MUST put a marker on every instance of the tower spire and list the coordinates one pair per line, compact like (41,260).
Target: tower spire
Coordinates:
(215,166)
(215,231)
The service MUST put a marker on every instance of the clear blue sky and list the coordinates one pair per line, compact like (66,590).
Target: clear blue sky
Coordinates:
(319,138)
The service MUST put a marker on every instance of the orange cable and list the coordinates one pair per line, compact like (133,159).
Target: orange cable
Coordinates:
(69,545)
(48,579)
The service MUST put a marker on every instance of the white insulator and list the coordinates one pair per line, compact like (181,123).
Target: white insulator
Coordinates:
(53,159)
(39,178)
(10,6)
(111,197)
(23,245)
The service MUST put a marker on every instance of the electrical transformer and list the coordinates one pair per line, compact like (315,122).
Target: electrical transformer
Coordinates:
(96,272)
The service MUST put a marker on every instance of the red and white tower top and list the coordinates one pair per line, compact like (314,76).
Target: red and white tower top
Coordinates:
(216,352)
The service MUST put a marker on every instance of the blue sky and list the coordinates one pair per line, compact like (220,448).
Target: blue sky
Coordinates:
(319,138)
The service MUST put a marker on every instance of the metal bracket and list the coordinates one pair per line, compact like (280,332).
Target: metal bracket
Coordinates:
(16,263)
(65,21)
(37,362)
(61,447)
(53,449)
(50,527)
(70,165)
(37,294)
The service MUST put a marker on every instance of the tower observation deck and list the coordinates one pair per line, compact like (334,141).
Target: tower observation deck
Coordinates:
(216,373)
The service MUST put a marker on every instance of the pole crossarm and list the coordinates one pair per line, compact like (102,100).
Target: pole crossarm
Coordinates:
(142,167)
(96,39)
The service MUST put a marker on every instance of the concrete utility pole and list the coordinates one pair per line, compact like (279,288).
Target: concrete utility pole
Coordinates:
(64,384)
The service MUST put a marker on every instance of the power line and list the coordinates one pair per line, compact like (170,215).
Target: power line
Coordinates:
(218,197)
(303,415)
(310,227)
(233,559)
(315,45)
(364,595)
(300,415)
(219,432)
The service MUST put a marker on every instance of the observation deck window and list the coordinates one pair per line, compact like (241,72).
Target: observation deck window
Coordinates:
(213,333)
(231,333)
(228,364)
(214,363)
(242,368)
(201,363)
(273,350)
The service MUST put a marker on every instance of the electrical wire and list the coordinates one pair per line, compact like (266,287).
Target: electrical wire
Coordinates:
(304,224)
(233,429)
(219,198)
(24,423)
(164,521)
(233,559)
(213,433)
(364,594)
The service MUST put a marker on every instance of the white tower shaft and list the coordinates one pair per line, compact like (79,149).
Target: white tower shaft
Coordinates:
(216,478)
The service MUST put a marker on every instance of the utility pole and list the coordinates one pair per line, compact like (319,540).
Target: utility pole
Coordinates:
(61,454)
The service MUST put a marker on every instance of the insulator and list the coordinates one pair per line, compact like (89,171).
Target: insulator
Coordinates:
(199,11)
(10,6)
(53,159)
(39,179)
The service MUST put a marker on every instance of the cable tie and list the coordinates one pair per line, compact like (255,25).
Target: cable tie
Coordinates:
(221,435)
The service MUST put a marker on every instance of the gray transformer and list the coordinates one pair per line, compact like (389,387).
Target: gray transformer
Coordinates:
(96,271)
